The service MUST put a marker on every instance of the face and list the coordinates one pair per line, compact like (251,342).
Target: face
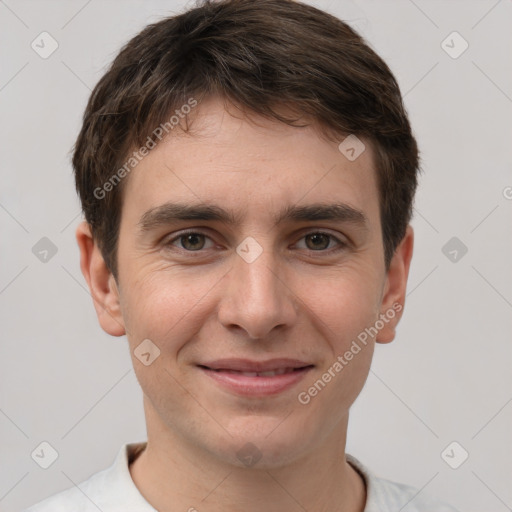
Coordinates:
(251,256)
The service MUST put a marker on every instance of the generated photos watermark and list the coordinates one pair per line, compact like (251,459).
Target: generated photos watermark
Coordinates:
(158,133)
(304,397)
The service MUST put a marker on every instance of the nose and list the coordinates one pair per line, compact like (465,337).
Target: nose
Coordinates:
(257,297)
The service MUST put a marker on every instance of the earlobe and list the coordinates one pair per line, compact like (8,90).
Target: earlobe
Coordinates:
(393,299)
(101,282)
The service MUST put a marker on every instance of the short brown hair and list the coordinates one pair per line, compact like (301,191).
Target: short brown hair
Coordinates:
(261,55)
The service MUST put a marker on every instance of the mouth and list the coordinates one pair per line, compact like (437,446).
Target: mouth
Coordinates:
(268,373)
(253,378)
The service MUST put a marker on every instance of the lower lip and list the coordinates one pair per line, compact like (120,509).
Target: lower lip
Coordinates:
(257,386)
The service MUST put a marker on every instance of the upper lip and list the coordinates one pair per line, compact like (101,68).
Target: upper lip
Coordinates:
(246,365)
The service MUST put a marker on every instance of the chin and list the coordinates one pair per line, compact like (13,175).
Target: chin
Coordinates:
(264,442)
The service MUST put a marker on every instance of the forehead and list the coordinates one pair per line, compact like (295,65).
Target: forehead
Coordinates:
(250,165)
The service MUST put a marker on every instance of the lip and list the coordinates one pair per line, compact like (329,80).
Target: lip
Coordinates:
(246,365)
(228,374)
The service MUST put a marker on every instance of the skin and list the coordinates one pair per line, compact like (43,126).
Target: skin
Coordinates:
(296,300)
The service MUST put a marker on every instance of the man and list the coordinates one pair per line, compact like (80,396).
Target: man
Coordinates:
(247,172)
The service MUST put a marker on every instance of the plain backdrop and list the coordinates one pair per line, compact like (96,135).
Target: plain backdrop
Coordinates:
(446,378)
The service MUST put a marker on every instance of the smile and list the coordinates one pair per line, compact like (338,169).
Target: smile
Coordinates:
(269,373)
(257,379)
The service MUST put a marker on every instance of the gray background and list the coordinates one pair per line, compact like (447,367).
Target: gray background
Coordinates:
(447,375)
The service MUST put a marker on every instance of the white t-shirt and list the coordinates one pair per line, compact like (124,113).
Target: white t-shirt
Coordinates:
(113,490)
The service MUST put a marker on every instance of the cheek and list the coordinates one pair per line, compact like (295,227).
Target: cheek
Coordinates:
(165,306)
(342,308)
(344,301)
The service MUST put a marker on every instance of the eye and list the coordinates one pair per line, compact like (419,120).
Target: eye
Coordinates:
(320,241)
(195,241)
(191,241)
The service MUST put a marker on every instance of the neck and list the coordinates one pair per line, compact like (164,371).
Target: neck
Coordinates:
(174,474)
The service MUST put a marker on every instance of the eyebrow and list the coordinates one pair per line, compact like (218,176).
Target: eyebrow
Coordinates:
(168,213)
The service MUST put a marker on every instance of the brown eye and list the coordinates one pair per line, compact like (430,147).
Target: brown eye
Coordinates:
(192,241)
(317,241)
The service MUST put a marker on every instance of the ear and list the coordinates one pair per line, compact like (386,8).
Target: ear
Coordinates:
(102,285)
(393,298)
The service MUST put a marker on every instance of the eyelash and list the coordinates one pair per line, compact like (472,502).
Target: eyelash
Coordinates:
(341,245)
